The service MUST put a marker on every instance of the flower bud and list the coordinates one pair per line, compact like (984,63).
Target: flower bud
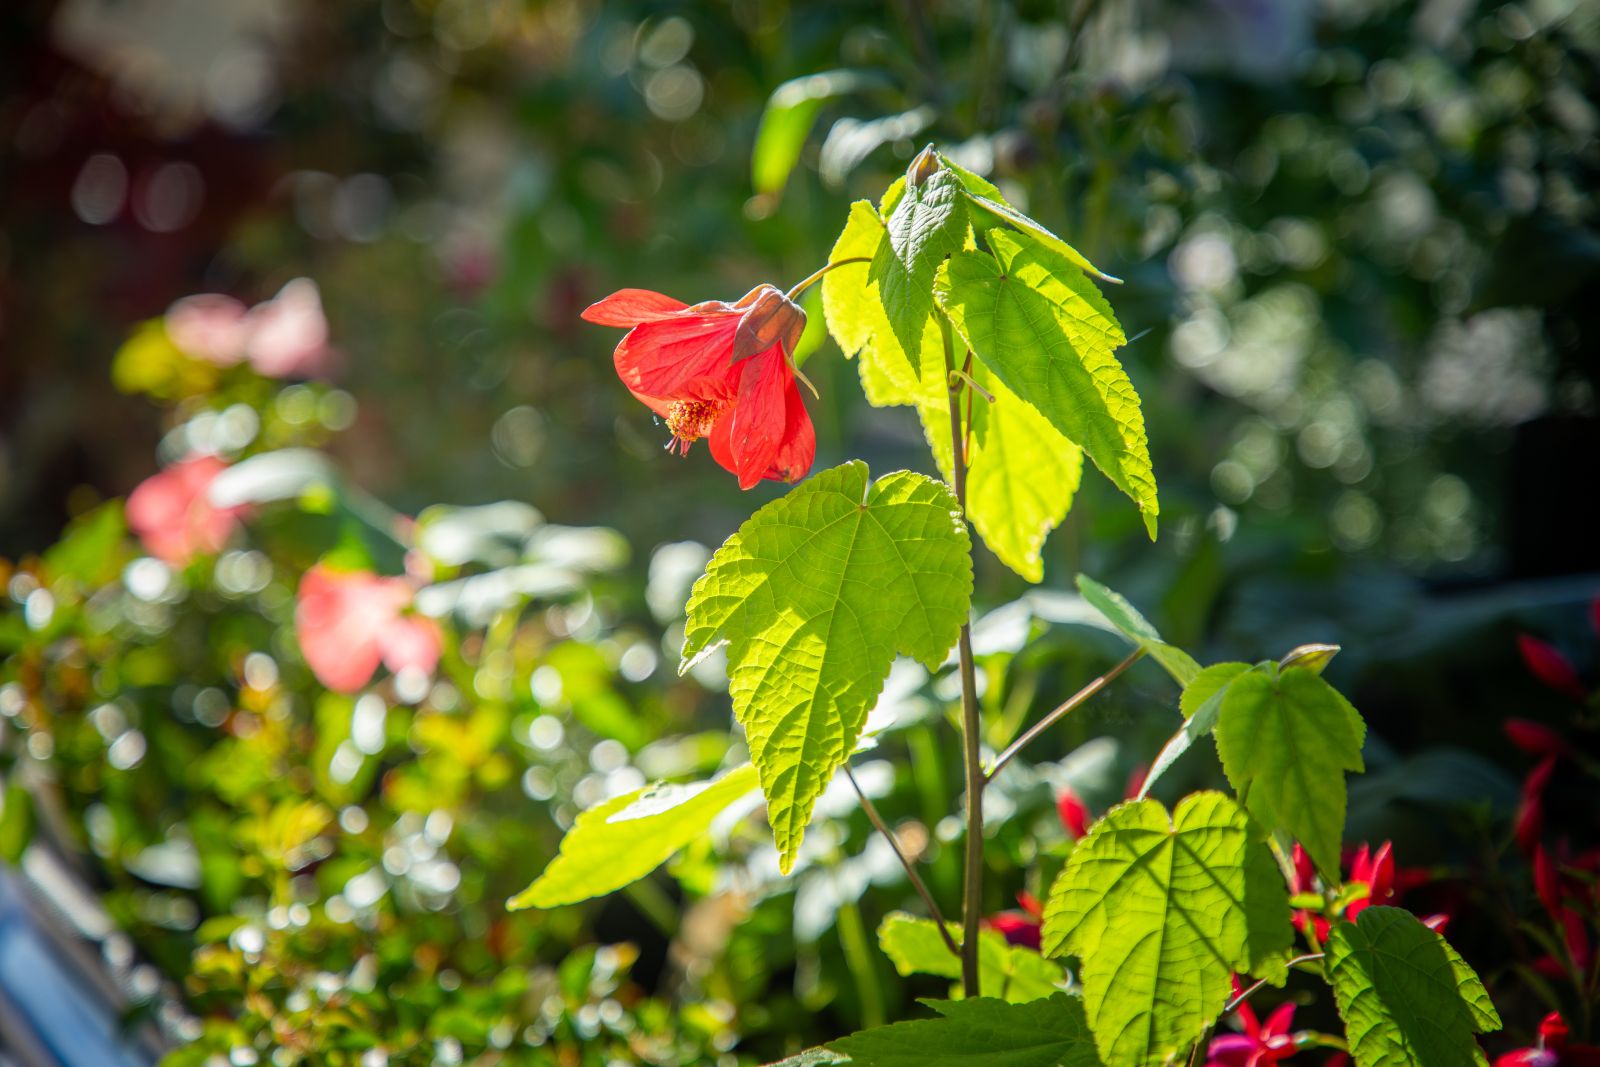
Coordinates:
(769,318)
(925,166)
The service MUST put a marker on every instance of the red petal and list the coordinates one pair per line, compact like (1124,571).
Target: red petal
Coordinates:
(1546,880)
(1534,738)
(630,307)
(721,444)
(1279,1021)
(760,415)
(1073,811)
(1550,666)
(662,357)
(798,448)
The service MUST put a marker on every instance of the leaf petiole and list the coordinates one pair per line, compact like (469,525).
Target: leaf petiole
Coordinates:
(816,276)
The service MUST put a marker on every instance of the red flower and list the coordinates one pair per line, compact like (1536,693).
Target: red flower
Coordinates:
(173,516)
(350,621)
(1552,1049)
(1551,667)
(1529,826)
(1385,883)
(1260,1044)
(721,371)
(1024,927)
(1073,811)
(1534,738)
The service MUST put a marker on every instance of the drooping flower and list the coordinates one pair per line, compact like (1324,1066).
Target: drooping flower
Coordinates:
(171,513)
(1259,1044)
(1528,826)
(1534,738)
(285,337)
(719,371)
(348,622)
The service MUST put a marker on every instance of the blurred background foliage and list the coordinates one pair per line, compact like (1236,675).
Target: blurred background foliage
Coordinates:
(1360,251)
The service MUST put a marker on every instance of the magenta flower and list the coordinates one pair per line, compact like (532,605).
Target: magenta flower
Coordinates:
(172,515)
(348,622)
(1259,1044)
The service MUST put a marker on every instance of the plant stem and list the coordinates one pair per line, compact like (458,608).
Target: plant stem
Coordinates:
(816,276)
(1244,995)
(972,893)
(1062,710)
(911,871)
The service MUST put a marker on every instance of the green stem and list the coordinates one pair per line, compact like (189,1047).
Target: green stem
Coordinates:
(858,957)
(905,861)
(972,894)
(1062,710)
(816,276)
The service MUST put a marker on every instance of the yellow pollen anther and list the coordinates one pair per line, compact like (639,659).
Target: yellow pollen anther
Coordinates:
(690,420)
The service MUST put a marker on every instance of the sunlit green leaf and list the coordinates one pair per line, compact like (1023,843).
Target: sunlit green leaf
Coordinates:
(1011,972)
(815,595)
(983,1030)
(1162,912)
(1038,322)
(787,120)
(1200,703)
(1407,998)
(1286,739)
(928,224)
(1125,617)
(627,837)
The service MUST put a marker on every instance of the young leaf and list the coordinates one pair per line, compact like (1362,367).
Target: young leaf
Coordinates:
(1125,617)
(928,224)
(1200,703)
(1406,997)
(1022,473)
(1162,912)
(815,594)
(1046,331)
(1286,738)
(983,1030)
(627,837)
(985,200)
(1012,972)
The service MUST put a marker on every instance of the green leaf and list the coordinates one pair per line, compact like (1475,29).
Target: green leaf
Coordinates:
(1200,703)
(982,1030)
(812,1057)
(1012,972)
(1406,997)
(815,595)
(787,120)
(1161,913)
(1125,617)
(17,821)
(928,224)
(1022,473)
(90,552)
(1045,330)
(1286,738)
(627,837)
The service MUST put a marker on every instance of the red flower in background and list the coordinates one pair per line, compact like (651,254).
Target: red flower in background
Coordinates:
(348,622)
(1551,667)
(1385,883)
(1259,1044)
(720,371)
(171,514)
(1073,811)
(1025,927)
(1552,1050)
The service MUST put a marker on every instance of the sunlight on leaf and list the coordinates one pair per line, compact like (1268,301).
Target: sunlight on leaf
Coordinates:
(1012,972)
(814,595)
(1125,617)
(983,1030)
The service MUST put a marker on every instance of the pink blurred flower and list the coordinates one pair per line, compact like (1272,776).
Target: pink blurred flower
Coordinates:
(348,622)
(285,337)
(289,334)
(1385,881)
(1529,825)
(1534,738)
(172,515)
(209,327)
(1025,927)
